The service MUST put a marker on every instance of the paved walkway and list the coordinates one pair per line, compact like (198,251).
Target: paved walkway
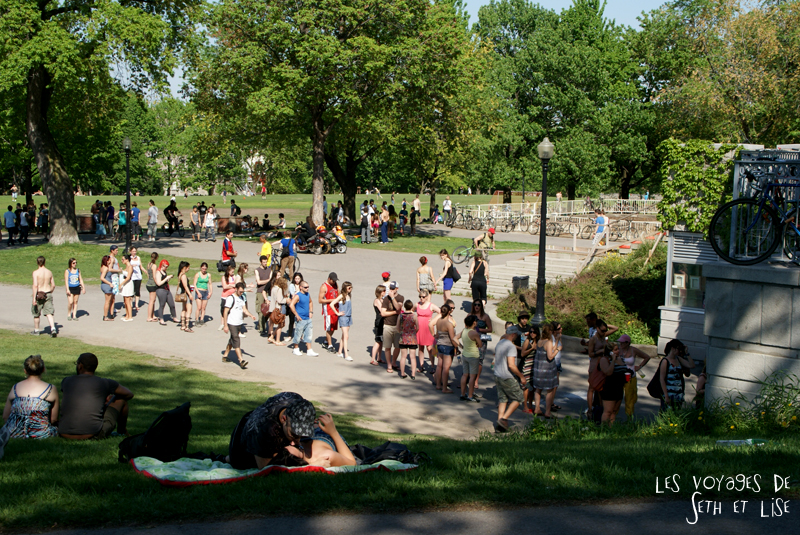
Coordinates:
(654,518)
(393,404)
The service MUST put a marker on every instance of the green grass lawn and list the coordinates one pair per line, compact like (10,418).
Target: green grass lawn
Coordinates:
(17,264)
(294,207)
(431,245)
(55,483)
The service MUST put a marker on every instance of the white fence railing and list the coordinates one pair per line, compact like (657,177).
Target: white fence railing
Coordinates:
(580,206)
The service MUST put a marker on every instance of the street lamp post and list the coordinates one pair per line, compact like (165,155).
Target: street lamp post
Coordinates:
(546,151)
(126,145)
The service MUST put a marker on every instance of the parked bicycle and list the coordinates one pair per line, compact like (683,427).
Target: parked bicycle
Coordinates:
(748,230)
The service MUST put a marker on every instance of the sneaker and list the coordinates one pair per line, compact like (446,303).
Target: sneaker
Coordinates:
(325,345)
(312,353)
(220,328)
(35,333)
(341,356)
(331,349)
(53,334)
(348,358)
(297,352)
(242,335)
(464,398)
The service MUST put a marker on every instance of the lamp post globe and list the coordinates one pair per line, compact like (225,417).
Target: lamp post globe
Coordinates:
(546,152)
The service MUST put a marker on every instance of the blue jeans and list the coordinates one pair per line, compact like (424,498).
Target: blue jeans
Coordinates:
(385,232)
(303,329)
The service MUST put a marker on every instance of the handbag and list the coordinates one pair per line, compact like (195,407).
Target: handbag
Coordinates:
(41,297)
(597,379)
(277,318)
(654,386)
(265,308)
(456,275)
(181,298)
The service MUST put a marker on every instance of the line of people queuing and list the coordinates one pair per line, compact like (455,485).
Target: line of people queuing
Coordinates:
(22,220)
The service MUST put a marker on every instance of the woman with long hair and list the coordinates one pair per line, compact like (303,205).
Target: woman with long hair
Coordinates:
(279,297)
(151,287)
(345,313)
(185,291)
(73,281)
(107,287)
(126,287)
(203,288)
(446,344)
(294,288)
(478,277)
(485,329)
(377,347)
(163,293)
(447,274)
(229,281)
(136,263)
(545,374)
(528,353)
(425,311)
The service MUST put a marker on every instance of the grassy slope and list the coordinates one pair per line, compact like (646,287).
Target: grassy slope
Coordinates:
(619,289)
(54,482)
(17,264)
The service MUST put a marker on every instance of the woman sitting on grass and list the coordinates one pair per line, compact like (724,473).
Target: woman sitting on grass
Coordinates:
(32,404)
(326,448)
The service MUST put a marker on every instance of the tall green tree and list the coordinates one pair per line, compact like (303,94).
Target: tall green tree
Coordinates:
(330,71)
(47,47)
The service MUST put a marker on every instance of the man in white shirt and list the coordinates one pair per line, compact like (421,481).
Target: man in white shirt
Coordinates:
(152,221)
(365,228)
(447,205)
(233,318)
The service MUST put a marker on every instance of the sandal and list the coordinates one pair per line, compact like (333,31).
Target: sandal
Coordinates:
(447,391)
(555,407)
(187,330)
(374,363)
(413,377)
(162,323)
(389,371)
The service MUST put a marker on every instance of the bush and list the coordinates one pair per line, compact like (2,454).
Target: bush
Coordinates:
(620,289)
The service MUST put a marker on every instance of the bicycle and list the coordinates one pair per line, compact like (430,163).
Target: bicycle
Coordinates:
(276,260)
(747,231)
(168,229)
(513,221)
(462,253)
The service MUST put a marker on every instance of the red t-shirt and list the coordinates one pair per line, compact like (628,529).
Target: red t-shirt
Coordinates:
(227,246)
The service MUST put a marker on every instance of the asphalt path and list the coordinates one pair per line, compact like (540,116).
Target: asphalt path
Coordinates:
(653,518)
(389,402)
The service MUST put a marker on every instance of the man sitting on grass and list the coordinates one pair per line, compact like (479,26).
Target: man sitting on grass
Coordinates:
(92,406)
(262,435)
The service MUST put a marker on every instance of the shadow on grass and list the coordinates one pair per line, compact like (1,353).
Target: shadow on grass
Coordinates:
(81,484)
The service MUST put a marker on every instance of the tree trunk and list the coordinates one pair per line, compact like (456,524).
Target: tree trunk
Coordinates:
(318,174)
(433,201)
(346,178)
(55,180)
(27,183)
(625,185)
(571,190)
(507,196)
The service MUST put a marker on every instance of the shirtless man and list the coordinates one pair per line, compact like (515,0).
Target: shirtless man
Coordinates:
(43,286)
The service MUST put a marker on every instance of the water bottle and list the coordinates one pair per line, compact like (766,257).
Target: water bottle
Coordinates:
(746,442)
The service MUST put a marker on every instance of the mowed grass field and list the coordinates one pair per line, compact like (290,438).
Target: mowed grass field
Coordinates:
(54,484)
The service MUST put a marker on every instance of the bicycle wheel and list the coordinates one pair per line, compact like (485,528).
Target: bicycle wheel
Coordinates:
(744,233)
(791,243)
(534,228)
(181,231)
(459,221)
(296,264)
(586,232)
(460,254)
(489,221)
(508,225)
(524,222)
(551,229)
(477,223)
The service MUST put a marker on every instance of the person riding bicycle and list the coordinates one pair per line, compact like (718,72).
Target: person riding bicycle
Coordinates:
(484,241)
(172,219)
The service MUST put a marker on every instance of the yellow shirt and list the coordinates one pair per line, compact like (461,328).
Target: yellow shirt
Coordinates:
(266,250)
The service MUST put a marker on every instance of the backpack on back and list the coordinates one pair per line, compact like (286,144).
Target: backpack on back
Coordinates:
(166,439)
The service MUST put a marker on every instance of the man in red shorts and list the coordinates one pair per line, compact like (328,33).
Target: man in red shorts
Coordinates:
(328,293)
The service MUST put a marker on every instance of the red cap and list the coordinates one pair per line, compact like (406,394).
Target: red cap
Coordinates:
(491,231)
(386,274)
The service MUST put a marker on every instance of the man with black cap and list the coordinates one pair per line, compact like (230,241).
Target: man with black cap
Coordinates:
(262,435)
(328,293)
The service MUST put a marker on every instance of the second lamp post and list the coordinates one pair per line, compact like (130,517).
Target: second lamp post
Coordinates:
(546,151)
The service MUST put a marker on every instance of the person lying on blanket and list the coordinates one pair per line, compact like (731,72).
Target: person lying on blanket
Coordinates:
(262,435)
(325,448)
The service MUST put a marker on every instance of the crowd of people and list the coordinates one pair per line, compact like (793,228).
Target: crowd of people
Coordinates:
(22,220)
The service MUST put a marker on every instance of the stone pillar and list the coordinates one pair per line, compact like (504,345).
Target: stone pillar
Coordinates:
(752,322)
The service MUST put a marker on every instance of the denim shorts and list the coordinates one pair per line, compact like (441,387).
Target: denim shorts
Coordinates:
(446,350)
(202,295)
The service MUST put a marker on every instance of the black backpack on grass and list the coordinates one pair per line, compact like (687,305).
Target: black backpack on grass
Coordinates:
(388,451)
(166,439)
